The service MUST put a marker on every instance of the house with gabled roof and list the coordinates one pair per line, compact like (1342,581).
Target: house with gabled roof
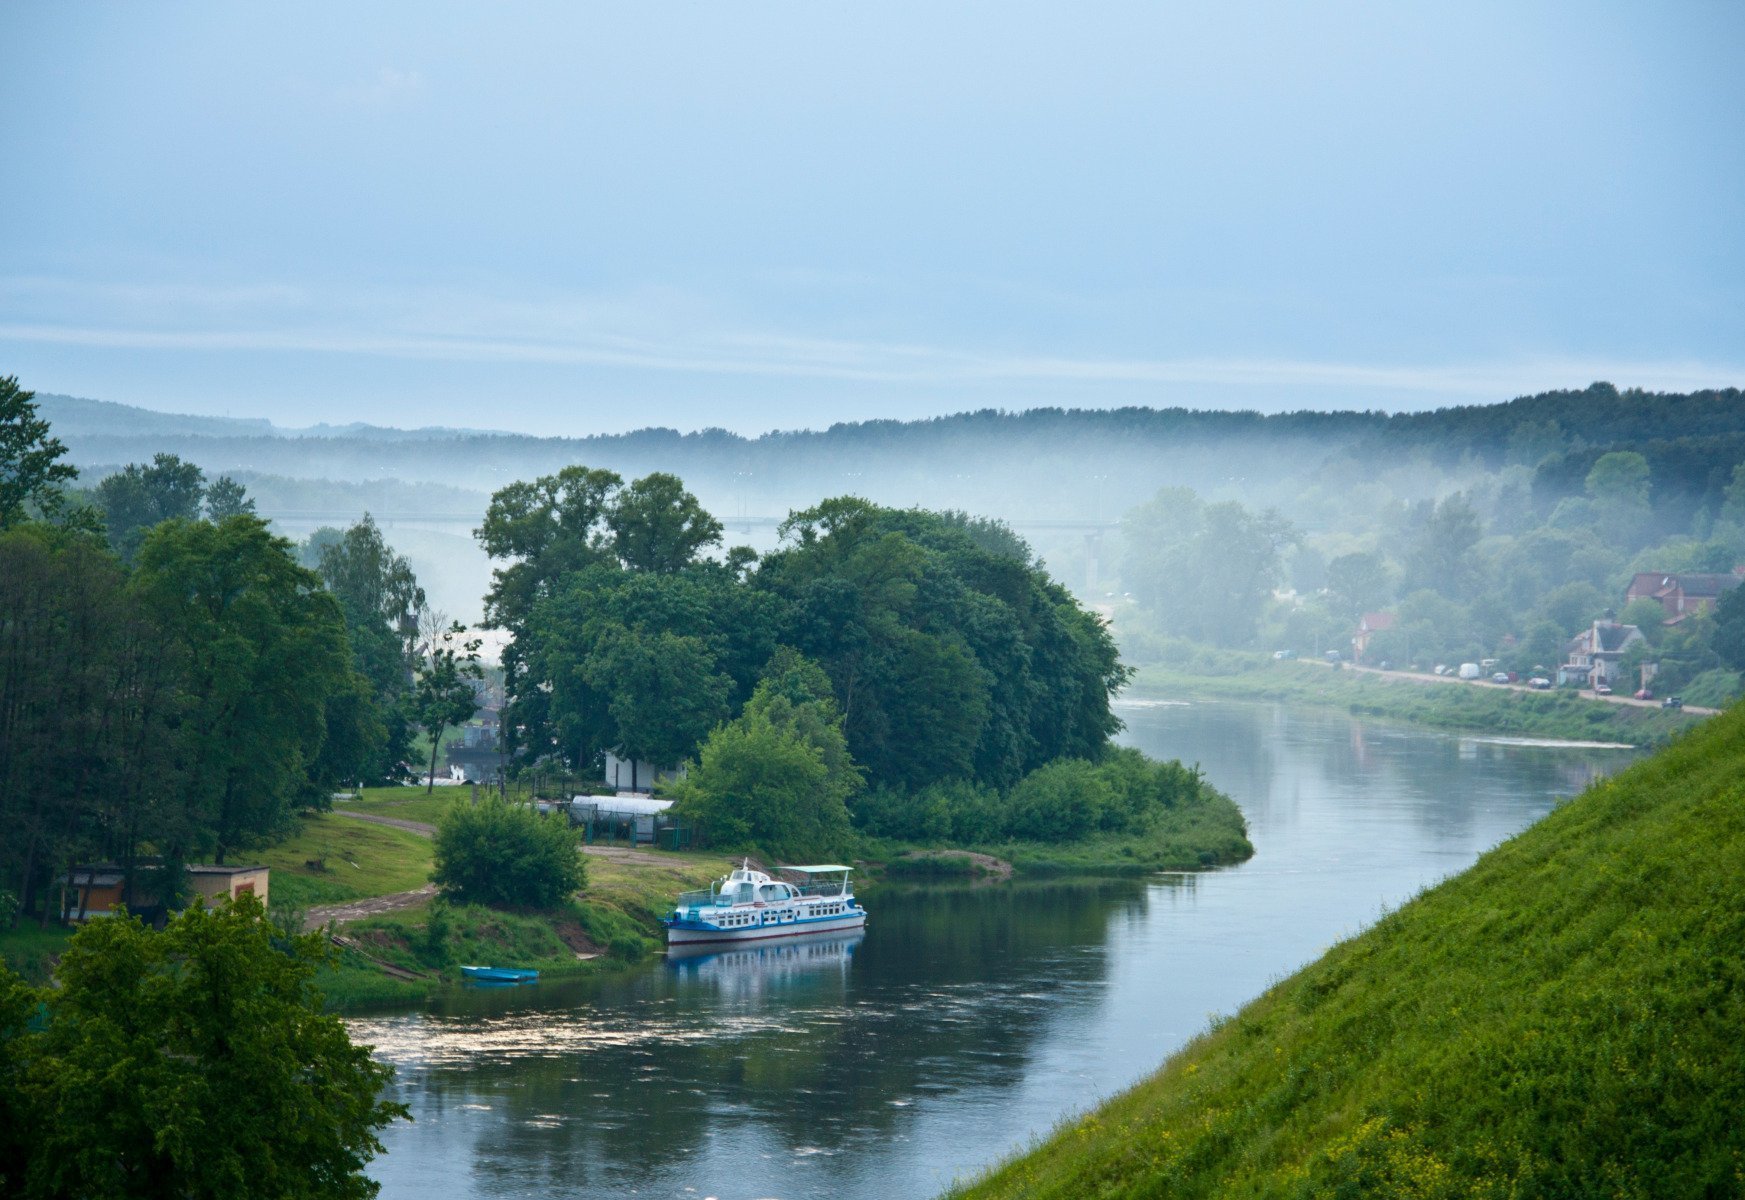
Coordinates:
(1681,594)
(1592,656)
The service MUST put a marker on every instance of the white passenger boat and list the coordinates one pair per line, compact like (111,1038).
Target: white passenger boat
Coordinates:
(749,906)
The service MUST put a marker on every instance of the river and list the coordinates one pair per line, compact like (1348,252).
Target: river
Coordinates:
(966,1020)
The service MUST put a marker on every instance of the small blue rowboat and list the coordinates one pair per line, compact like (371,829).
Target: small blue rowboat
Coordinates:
(499,974)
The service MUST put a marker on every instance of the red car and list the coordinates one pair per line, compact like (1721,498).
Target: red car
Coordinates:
(1644,694)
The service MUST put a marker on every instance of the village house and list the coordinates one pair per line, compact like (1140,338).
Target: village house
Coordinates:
(1681,595)
(1593,655)
(98,889)
(1368,625)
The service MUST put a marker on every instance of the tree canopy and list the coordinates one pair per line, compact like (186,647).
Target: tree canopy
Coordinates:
(192,1062)
(30,471)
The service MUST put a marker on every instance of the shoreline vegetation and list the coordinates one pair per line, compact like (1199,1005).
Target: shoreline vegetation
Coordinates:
(1581,1038)
(413,949)
(1470,707)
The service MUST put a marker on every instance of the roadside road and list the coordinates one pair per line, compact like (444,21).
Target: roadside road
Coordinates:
(1414,677)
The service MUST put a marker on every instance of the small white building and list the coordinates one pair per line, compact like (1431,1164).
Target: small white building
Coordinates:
(627,775)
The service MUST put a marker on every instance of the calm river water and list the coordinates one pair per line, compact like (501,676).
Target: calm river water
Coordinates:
(965,1020)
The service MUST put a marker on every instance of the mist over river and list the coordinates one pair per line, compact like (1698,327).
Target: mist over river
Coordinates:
(966,1020)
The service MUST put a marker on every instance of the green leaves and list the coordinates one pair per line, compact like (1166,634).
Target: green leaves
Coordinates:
(29,472)
(195,1062)
(506,854)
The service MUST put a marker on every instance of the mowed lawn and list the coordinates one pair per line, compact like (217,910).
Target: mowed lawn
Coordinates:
(334,858)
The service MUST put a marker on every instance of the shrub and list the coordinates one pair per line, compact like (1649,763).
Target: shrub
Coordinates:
(505,854)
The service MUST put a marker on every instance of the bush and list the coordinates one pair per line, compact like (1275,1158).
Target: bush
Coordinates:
(505,854)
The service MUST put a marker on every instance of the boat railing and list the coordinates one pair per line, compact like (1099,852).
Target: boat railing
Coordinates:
(692,899)
(835,887)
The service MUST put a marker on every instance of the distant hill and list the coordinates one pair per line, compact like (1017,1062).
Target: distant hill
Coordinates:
(75,416)
(1038,465)
(1561,1020)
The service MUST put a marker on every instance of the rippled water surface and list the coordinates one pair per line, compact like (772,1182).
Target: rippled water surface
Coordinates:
(965,1020)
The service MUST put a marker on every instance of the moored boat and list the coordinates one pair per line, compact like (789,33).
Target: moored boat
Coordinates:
(500,974)
(749,906)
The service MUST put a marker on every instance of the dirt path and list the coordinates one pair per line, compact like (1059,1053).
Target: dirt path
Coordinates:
(373,906)
(421,828)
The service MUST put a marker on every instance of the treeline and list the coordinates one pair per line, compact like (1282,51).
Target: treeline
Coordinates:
(1088,454)
(174,683)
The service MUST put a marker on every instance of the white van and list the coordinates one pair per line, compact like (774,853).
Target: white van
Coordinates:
(1469,670)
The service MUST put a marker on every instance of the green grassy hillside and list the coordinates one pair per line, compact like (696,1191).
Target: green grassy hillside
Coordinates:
(1565,1019)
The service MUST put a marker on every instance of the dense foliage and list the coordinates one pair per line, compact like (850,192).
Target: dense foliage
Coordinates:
(1562,1020)
(192,1062)
(180,689)
(493,852)
(1166,811)
(946,659)
(780,775)
(1506,551)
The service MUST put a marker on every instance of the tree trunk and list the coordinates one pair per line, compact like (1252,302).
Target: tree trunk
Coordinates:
(435,741)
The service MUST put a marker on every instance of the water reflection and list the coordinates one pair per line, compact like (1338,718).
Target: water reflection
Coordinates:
(964,1019)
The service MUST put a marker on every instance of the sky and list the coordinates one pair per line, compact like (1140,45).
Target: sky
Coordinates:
(568,219)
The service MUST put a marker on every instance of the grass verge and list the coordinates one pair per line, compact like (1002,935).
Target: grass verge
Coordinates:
(1476,708)
(332,859)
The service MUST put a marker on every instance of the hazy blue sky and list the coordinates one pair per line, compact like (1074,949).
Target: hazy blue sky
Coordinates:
(568,218)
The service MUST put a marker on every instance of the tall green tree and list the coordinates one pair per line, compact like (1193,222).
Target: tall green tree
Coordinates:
(1204,571)
(444,695)
(192,1062)
(138,497)
(265,647)
(90,692)
(227,498)
(30,473)
(658,526)
(1358,583)
(381,599)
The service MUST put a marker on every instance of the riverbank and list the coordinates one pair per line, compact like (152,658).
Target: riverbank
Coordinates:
(1469,707)
(405,944)
(1561,1019)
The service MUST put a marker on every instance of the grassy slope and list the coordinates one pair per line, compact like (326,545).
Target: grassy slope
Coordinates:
(1476,707)
(360,859)
(1567,1018)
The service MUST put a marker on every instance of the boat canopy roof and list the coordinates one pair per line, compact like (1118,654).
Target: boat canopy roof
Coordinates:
(820,869)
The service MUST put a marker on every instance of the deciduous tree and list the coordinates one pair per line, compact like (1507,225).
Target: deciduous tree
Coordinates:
(192,1062)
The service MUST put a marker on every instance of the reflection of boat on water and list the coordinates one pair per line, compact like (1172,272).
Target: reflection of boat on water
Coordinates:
(815,966)
(750,906)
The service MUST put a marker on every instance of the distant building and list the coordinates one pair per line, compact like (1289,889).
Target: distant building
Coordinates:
(1681,595)
(100,889)
(1593,655)
(625,775)
(1368,625)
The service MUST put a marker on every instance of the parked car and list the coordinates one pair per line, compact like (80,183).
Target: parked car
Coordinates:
(1441,669)
(1514,677)
(1643,694)
(1500,677)
(1539,683)
(1672,702)
(1602,689)
(1332,656)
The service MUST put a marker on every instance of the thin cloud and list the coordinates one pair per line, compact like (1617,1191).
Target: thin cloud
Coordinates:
(795,357)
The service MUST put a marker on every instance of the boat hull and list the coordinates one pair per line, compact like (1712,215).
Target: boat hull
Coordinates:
(499,974)
(688,933)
